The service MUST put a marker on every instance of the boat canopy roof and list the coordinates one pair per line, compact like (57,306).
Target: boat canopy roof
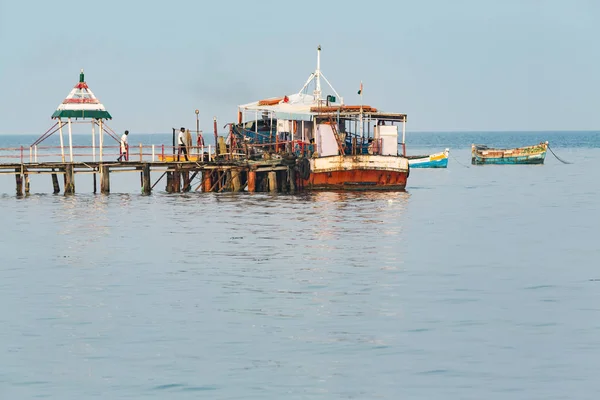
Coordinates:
(295,106)
(366,113)
(305,107)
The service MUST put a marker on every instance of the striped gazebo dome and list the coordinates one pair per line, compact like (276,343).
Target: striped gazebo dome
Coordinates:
(81,103)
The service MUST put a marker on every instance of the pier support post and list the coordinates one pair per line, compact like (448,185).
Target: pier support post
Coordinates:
(55,185)
(104,179)
(206,180)
(176,181)
(236,184)
(169,187)
(94,177)
(252,181)
(26,176)
(273,181)
(147,185)
(186,181)
(262,183)
(69,179)
(19,181)
(292,178)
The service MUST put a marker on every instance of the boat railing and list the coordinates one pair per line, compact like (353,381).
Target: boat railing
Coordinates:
(297,147)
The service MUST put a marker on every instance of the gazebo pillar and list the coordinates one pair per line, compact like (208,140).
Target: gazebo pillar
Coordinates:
(62,146)
(101,139)
(70,141)
(93,140)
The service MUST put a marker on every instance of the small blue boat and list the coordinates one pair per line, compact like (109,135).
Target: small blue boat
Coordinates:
(436,160)
(536,154)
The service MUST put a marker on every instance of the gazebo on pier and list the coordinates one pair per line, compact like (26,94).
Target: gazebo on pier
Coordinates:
(80,106)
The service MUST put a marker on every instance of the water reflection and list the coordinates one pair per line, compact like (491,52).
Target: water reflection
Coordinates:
(353,196)
(340,214)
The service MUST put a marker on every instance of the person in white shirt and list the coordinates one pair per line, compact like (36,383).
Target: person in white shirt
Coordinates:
(181,144)
(124,147)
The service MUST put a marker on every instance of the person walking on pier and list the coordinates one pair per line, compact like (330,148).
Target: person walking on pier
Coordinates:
(199,141)
(181,142)
(200,145)
(124,147)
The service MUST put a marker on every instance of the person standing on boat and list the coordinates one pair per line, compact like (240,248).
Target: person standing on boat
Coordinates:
(371,147)
(124,147)
(181,144)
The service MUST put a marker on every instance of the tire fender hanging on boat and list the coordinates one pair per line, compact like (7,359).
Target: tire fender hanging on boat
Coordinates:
(304,168)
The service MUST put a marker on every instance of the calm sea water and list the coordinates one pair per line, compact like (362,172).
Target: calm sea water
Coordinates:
(477,282)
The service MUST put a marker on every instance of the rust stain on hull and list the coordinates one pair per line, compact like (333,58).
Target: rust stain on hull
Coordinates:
(357,180)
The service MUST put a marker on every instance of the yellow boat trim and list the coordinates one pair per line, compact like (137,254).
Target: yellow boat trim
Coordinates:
(438,157)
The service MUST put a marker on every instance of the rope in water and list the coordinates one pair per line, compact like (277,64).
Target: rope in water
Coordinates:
(558,158)
(456,159)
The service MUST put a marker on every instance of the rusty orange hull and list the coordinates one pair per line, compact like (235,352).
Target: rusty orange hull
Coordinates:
(357,180)
(361,172)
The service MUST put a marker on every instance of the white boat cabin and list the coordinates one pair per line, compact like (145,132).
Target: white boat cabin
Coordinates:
(305,122)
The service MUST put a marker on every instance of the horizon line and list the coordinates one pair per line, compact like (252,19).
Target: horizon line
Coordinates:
(408,131)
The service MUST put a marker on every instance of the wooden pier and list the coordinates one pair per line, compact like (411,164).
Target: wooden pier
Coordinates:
(232,165)
(276,176)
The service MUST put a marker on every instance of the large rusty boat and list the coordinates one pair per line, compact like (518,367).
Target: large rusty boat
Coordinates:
(335,145)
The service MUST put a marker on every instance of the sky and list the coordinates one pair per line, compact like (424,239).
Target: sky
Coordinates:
(461,65)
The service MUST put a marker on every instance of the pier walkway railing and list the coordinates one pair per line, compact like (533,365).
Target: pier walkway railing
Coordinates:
(232,170)
(141,153)
(149,153)
(232,166)
(163,153)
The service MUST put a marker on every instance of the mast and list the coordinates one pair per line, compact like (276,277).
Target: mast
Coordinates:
(361,110)
(318,74)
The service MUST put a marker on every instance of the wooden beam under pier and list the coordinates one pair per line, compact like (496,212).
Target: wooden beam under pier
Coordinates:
(158,180)
(188,185)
